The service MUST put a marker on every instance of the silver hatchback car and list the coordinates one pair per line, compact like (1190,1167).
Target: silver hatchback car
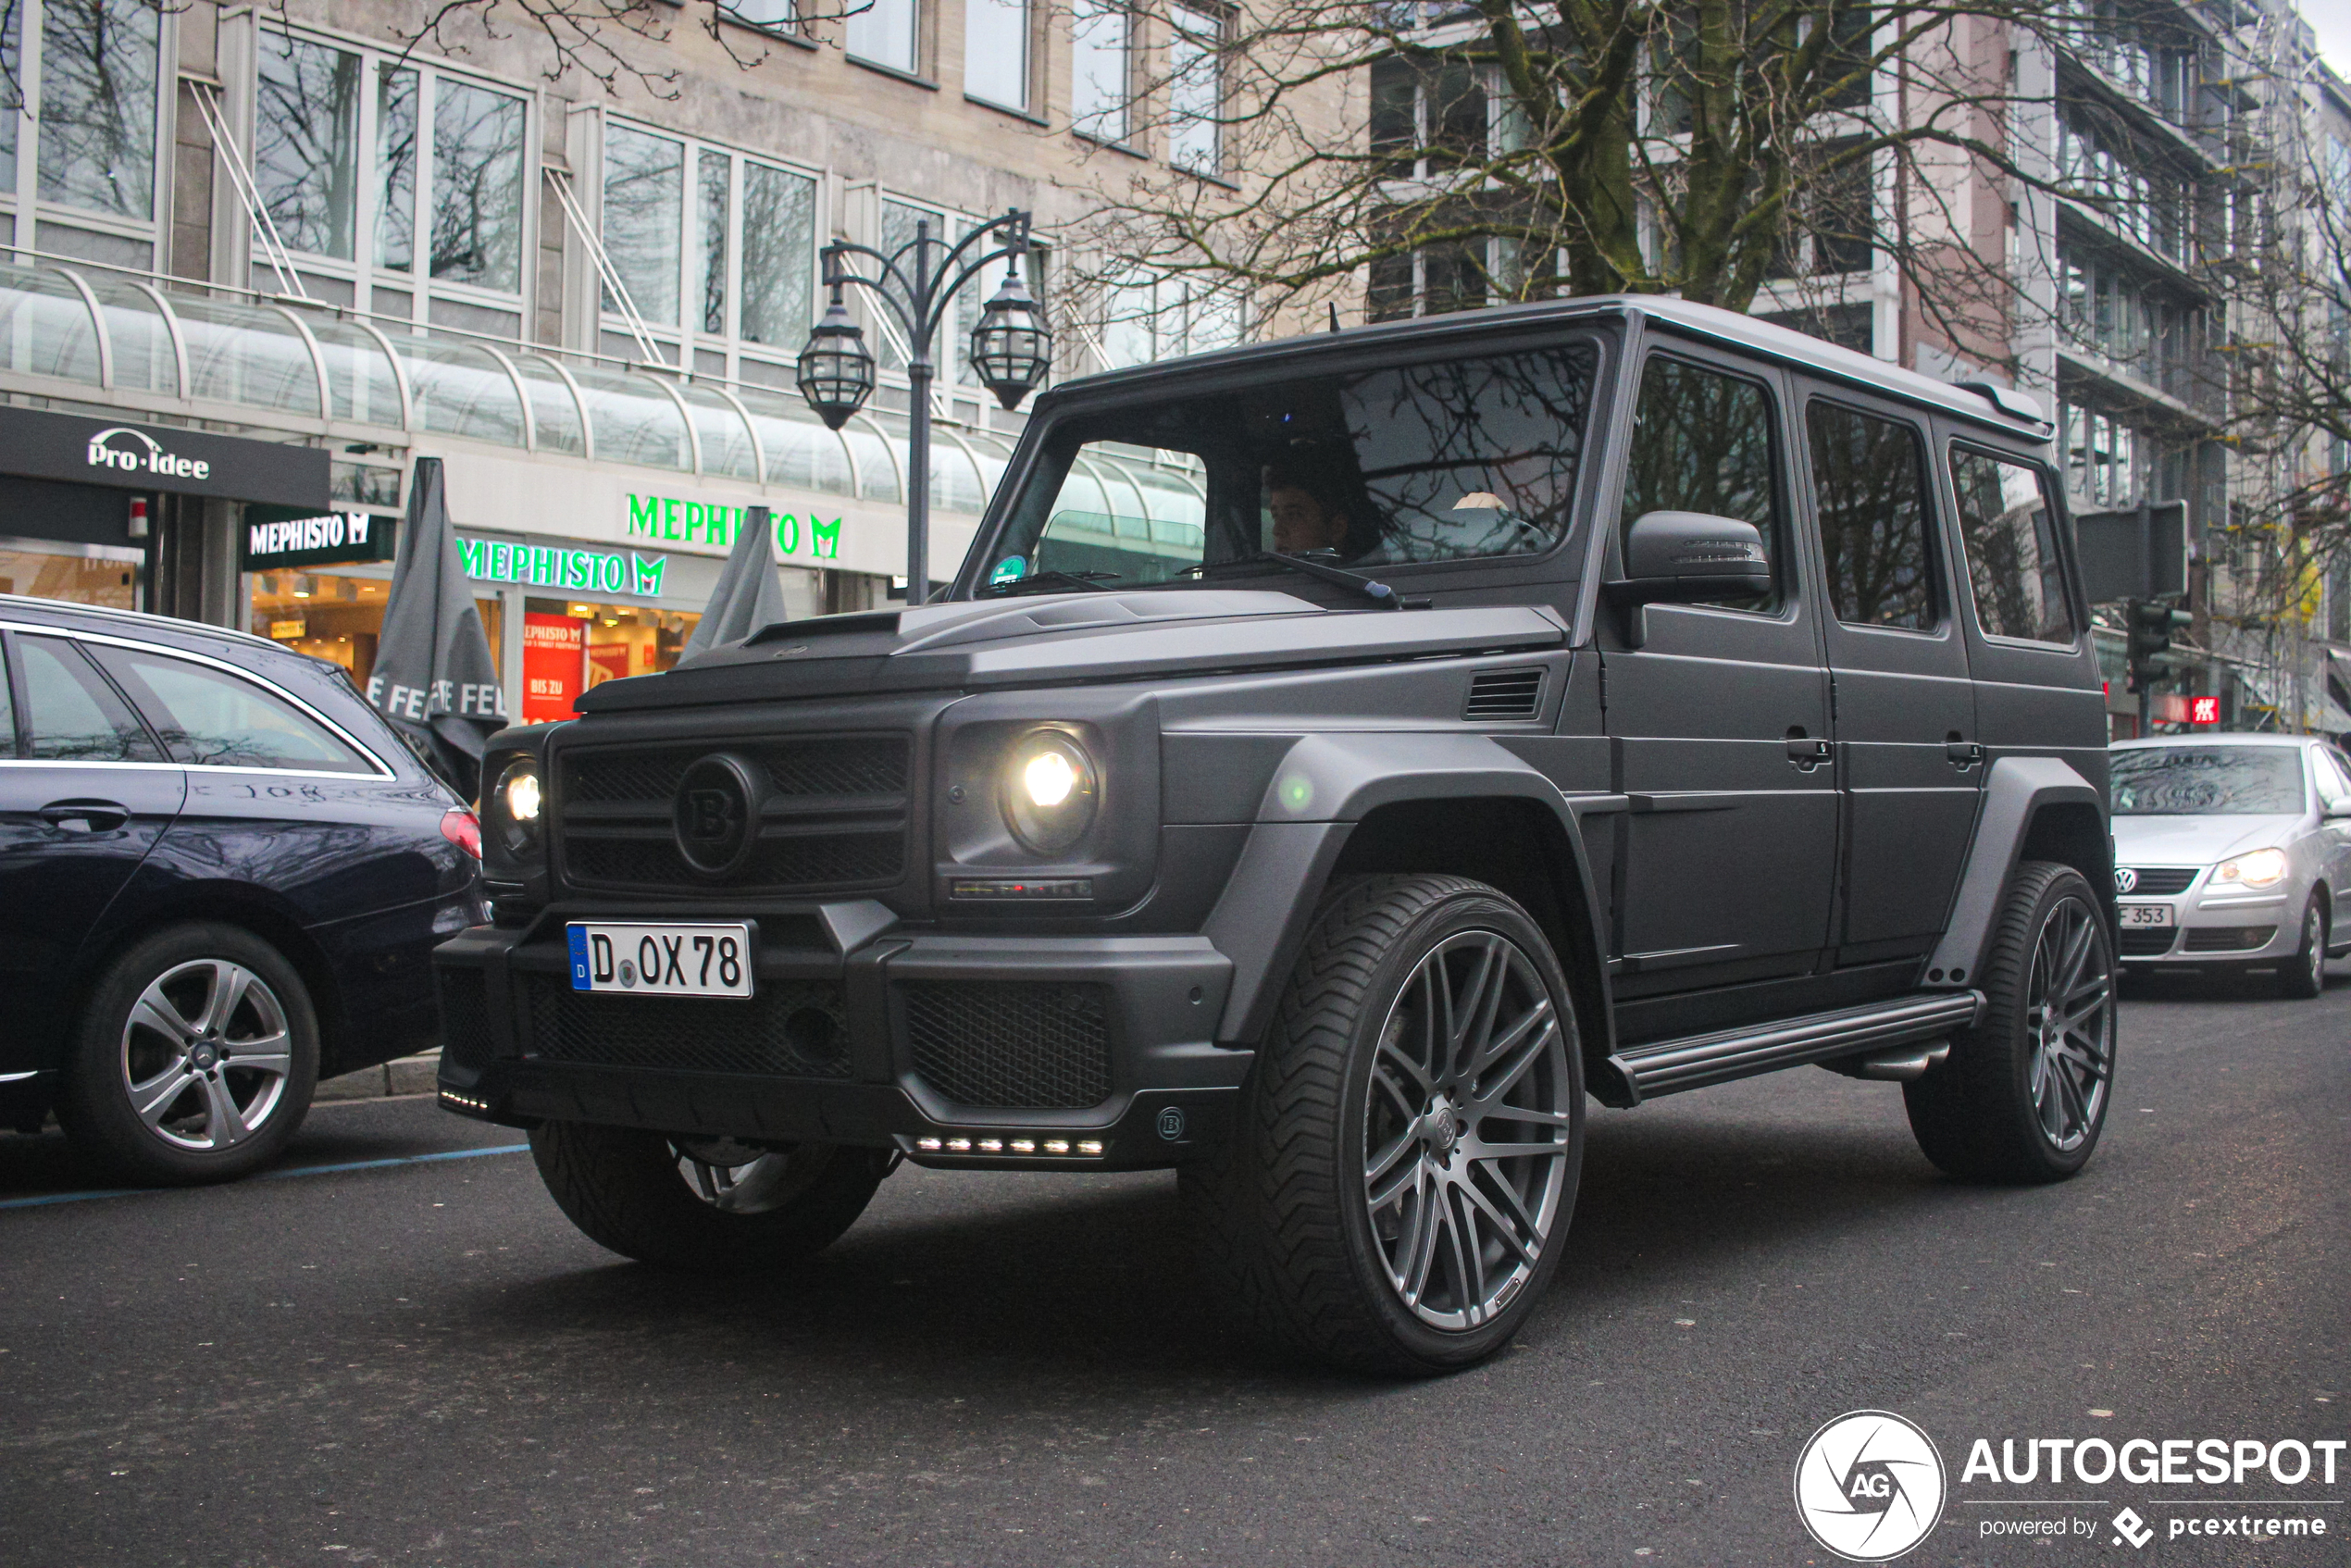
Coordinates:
(2230,850)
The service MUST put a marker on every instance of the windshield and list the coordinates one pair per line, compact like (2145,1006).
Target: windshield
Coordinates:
(1440,461)
(2207,781)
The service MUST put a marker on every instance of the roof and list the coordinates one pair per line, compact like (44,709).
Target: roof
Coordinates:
(1731,327)
(128,623)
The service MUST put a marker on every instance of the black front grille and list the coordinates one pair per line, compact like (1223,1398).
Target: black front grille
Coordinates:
(1010,1045)
(2147,942)
(467,1038)
(1504,694)
(2229,939)
(834,817)
(2163,881)
(796,1029)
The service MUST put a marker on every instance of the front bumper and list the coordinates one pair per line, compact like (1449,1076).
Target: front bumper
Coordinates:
(1040,1052)
(2212,928)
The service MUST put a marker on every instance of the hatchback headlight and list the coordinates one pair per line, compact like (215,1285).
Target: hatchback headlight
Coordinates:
(2259,868)
(515,805)
(1051,791)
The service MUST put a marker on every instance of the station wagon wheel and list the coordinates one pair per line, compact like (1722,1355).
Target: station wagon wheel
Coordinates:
(194,1057)
(2304,976)
(2023,1095)
(705,1204)
(1396,1191)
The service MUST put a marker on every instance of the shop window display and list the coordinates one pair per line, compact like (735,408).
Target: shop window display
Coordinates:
(335,617)
(79,580)
(569,647)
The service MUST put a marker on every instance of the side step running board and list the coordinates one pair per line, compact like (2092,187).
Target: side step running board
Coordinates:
(1668,1066)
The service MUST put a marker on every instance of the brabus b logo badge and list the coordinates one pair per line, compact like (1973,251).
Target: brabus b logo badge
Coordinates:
(714,814)
(710,816)
(1870,1486)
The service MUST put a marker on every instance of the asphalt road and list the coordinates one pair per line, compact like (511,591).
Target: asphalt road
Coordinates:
(423,1362)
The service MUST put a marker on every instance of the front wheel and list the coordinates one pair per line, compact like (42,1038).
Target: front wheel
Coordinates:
(1397,1193)
(2023,1096)
(2304,976)
(710,1205)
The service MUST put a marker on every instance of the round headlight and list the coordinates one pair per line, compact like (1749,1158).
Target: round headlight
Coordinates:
(2261,868)
(516,801)
(1051,791)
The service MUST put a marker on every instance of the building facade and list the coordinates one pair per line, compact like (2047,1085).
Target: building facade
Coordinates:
(323,247)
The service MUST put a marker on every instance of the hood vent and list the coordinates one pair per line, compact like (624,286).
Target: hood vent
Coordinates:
(1504,694)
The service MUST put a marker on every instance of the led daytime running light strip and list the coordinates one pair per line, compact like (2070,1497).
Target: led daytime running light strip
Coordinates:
(1056,1148)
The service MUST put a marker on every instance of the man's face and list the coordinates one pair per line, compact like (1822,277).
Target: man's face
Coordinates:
(1300,524)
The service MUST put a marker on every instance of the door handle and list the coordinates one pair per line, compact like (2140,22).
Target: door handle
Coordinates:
(94,817)
(1806,752)
(1963,754)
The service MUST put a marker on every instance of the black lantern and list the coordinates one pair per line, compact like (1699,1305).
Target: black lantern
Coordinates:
(1011,347)
(836,368)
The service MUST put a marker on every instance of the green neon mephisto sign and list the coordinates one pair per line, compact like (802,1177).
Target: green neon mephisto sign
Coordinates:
(581,571)
(677,521)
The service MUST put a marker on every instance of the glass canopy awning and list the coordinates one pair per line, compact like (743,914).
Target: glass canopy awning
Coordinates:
(323,373)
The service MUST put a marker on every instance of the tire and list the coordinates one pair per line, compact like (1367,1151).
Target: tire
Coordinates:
(708,1205)
(193,1058)
(2009,1104)
(2304,976)
(1356,1258)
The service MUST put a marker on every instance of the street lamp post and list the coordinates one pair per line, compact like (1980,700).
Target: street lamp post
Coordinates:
(1011,347)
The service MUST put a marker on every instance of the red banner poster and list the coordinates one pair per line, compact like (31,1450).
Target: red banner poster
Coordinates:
(552,646)
(607,661)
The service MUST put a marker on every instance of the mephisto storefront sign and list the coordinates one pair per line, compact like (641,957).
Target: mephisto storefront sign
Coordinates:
(38,444)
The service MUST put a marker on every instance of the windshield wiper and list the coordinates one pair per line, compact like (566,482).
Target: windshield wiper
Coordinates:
(1048,583)
(1377,592)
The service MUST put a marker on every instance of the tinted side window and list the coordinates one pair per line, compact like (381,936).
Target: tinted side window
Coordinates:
(2326,767)
(71,715)
(215,719)
(1871,477)
(1702,442)
(2009,533)
(7,710)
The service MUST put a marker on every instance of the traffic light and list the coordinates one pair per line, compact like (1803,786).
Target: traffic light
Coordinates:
(2152,624)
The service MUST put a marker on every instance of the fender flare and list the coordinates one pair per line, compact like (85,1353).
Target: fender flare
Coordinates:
(1324,787)
(2016,789)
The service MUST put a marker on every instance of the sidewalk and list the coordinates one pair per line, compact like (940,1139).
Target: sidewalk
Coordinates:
(409,1074)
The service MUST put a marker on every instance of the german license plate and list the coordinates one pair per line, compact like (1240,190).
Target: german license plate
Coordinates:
(2147,917)
(673,958)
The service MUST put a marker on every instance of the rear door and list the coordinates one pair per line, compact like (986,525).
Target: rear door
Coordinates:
(1909,767)
(85,792)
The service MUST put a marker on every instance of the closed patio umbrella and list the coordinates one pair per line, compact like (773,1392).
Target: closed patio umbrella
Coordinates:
(434,679)
(748,595)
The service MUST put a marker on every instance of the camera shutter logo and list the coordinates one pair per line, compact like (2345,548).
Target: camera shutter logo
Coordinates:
(1870,1486)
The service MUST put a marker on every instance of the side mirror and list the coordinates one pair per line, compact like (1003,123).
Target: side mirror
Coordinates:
(1684,556)
(2334,810)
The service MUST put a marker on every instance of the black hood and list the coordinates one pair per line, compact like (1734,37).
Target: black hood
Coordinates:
(1059,639)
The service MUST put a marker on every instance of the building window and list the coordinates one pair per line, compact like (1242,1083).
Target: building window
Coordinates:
(717,251)
(305,153)
(887,33)
(1099,69)
(1437,279)
(1196,89)
(356,153)
(86,113)
(996,51)
(768,16)
(1144,321)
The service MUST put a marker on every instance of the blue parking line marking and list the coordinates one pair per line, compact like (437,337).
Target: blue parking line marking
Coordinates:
(269,1176)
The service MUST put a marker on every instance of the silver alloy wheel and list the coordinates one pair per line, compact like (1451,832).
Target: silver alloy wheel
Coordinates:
(740,1178)
(2314,942)
(1466,1130)
(2070,1015)
(205,1054)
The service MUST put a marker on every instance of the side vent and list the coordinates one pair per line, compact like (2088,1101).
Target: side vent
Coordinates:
(1503,695)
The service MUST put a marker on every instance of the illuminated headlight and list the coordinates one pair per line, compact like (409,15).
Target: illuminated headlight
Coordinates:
(2261,868)
(1051,791)
(515,805)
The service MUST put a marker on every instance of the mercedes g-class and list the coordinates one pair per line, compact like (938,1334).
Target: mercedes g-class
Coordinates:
(1334,759)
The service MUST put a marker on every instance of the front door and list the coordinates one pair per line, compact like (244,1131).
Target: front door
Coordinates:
(1909,765)
(1718,715)
(84,794)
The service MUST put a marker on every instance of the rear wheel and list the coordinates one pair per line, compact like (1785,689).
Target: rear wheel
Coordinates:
(1398,1192)
(2023,1097)
(711,1205)
(2304,975)
(194,1058)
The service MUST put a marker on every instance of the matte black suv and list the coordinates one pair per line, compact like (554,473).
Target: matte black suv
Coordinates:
(1335,758)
